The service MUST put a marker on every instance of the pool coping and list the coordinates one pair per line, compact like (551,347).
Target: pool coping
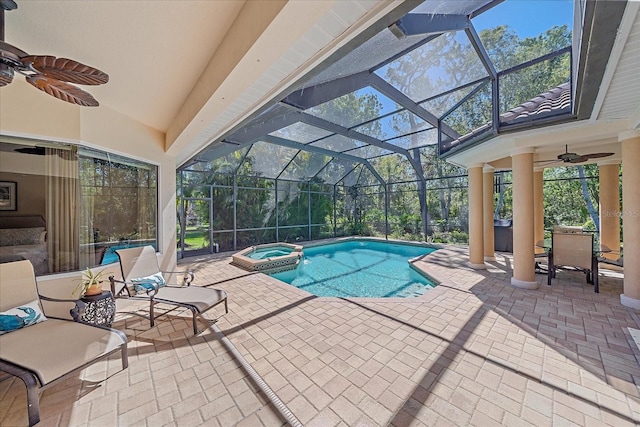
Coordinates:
(271,264)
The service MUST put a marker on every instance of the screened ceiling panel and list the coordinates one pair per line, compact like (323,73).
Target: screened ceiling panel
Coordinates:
(230,162)
(353,177)
(304,166)
(448,7)
(416,140)
(394,125)
(442,64)
(384,45)
(224,164)
(443,103)
(355,108)
(435,89)
(369,151)
(335,170)
(338,143)
(301,132)
(394,168)
(472,115)
(367,56)
(366,177)
(268,160)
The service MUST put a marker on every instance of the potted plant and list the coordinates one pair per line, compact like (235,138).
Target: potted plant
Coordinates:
(90,283)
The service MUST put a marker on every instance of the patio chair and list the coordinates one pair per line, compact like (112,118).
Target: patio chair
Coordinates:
(576,251)
(41,349)
(143,279)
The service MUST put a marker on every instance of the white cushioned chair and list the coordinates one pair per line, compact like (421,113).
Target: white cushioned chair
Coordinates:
(143,279)
(40,349)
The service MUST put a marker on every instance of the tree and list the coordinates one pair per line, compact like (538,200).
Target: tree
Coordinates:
(568,194)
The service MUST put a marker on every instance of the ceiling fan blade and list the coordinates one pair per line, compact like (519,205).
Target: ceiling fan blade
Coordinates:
(585,157)
(597,155)
(8,5)
(545,163)
(5,80)
(11,53)
(66,70)
(578,159)
(6,74)
(63,91)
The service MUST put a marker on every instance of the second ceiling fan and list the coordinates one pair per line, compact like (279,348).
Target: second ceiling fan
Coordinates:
(568,157)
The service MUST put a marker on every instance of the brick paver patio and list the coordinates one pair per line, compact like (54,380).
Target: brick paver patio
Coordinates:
(472,351)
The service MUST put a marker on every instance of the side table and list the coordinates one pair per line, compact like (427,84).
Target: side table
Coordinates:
(100,309)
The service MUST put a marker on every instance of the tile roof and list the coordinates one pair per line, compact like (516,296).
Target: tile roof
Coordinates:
(552,102)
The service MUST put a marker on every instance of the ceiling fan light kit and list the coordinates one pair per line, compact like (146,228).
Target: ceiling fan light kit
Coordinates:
(49,74)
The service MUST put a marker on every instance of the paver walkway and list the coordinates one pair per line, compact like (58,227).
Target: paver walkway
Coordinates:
(472,351)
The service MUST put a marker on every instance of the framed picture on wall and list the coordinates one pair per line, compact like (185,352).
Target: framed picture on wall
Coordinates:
(8,196)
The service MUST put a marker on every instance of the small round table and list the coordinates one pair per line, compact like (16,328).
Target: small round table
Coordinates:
(100,309)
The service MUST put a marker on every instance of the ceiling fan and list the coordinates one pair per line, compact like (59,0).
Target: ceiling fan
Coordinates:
(49,74)
(568,157)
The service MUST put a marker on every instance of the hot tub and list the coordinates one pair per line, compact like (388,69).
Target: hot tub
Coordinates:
(268,258)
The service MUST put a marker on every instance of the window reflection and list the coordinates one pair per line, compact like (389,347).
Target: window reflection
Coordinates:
(75,205)
(118,205)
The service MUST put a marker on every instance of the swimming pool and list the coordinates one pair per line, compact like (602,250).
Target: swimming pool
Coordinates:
(359,268)
(110,255)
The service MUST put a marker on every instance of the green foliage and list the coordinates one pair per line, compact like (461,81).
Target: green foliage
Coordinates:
(564,202)
(118,200)
(89,278)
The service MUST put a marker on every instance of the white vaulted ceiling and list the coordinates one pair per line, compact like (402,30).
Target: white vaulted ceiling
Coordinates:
(190,68)
(154,52)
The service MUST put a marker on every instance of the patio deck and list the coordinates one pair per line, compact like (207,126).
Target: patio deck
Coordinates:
(472,351)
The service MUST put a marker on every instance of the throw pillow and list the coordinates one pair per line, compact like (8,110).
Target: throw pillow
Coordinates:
(21,317)
(142,284)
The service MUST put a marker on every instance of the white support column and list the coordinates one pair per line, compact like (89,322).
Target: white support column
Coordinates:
(630,143)
(538,206)
(523,219)
(476,238)
(487,207)
(610,206)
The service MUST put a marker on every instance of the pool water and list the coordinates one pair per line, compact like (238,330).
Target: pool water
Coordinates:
(359,269)
(110,255)
(269,253)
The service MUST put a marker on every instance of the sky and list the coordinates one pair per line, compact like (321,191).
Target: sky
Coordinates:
(528,18)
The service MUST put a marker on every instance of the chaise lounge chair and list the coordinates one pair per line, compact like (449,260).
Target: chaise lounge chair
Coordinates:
(143,279)
(41,349)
